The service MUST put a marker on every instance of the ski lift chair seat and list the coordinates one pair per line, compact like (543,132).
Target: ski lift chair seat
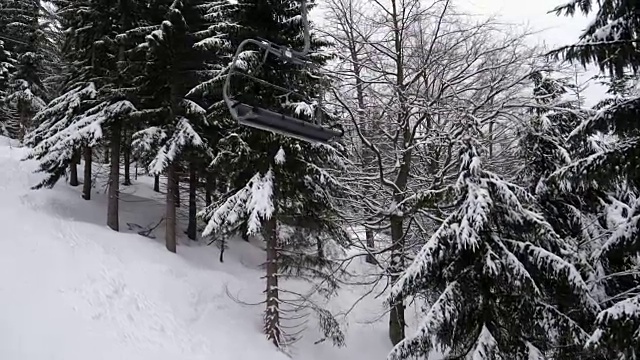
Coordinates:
(264,119)
(260,118)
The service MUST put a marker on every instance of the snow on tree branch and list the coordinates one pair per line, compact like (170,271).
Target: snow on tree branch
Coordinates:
(183,136)
(255,199)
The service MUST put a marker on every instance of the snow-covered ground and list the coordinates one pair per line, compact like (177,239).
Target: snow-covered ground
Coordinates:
(72,289)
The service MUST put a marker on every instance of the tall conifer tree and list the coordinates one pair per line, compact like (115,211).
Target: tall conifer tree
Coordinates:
(610,42)
(6,66)
(180,58)
(281,188)
(25,94)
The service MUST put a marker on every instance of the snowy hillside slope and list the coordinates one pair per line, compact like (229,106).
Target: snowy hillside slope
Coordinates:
(72,289)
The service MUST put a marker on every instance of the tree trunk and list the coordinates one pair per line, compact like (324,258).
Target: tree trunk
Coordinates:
(272,313)
(320,249)
(176,190)
(106,156)
(156,183)
(208,190)
(86,186)
(490,140)
(114,177)
(170,217)
(73,170)
(113,202)
(371,246)
(368,156)
(223,246)
(193,186)
(24,122)
(244,231)
(397,263)
(396,315)
(127,160)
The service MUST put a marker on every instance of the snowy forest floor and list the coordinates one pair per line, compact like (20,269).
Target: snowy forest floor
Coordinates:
(72,289)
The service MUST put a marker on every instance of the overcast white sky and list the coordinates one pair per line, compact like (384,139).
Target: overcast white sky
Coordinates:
(557,30)
(554,30)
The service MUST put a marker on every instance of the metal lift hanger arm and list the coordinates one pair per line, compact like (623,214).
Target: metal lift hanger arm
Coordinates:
(268,120)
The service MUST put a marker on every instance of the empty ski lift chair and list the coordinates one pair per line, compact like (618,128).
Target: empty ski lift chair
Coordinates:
(264,119)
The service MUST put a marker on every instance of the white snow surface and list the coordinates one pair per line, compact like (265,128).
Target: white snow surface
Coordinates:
(72,289)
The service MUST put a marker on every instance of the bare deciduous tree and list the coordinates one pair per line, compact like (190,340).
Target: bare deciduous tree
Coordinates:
(414,78)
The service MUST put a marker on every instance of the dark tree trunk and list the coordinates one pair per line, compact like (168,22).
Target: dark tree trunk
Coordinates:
(73,170)
(193,187)
(397,264)
(368,155)
(86,186)
(127,160)
(208,188)
(25,122)
(371,245)
(397,322)
(396,315)
(320,249)
(176,190)
(272,313)
(106,156)
(244,229)
(170,217)
(114,177)
(113,202)
(156,183)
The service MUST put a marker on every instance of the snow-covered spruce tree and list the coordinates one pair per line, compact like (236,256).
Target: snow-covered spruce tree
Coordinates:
(222,29)
(545,149)
(25,93)
(491,273)
(280,188)
(62,131)
(78,68)
(138,18)
(149,98)
(180,63)
(6,66)
(113,78)
(54,69)
(618,325)
(92,99)
(8,126)
(212,41)
(610,42)
(613,258)
(117,89)
(574,216)
(289,202)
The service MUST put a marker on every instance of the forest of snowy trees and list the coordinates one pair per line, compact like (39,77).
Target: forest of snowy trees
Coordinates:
(488,193)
